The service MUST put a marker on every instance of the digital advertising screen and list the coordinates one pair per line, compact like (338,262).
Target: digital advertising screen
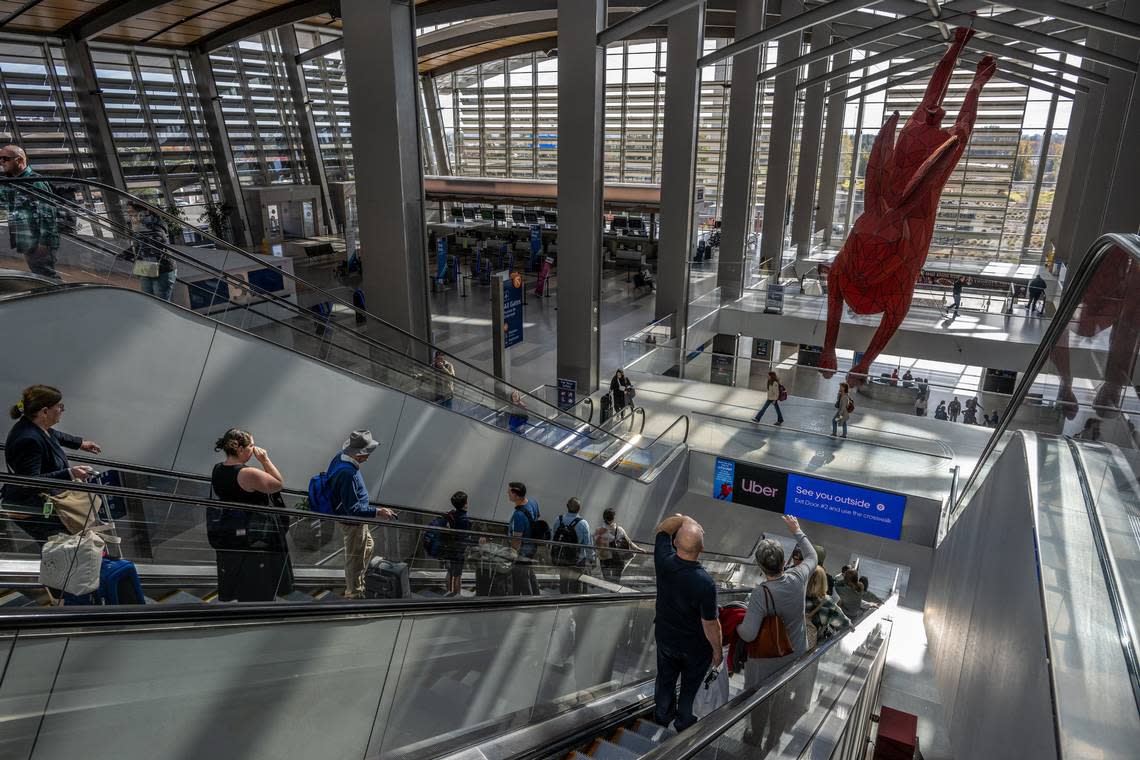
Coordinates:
(866,510)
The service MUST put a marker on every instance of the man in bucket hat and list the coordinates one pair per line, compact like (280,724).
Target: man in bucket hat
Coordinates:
(350,498)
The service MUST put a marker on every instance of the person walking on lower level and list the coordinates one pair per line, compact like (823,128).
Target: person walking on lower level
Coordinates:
(1036,294)
(957,291)
(843,408)
(687,626)
(776,394)
(955,409)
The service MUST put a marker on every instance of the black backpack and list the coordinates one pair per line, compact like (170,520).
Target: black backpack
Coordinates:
(561,553)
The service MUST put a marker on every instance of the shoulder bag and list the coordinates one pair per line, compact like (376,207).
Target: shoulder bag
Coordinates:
(772,640)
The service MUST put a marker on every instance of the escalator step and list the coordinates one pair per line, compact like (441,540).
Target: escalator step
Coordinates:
(16,599)
(605,750)
(652,731)
(180,597)
(634,741)
(577,756)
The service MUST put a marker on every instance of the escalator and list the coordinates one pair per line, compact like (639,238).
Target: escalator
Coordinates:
(163,532)
(261,295)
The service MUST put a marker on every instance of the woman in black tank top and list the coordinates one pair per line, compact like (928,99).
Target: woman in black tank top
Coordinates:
(252,552)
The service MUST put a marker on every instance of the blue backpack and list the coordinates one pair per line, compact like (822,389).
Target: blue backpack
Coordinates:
(321,497)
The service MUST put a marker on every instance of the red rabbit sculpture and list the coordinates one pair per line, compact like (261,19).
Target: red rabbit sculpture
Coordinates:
(881,259)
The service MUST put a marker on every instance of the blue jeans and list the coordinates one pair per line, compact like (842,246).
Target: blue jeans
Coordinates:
(760,414)
(161,286)
(691,668)
(835,425)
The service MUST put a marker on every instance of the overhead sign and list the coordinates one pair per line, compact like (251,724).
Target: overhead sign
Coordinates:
(866,510)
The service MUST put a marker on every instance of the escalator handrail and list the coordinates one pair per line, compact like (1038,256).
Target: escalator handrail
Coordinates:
(231,248)
(1116,598)
(110,464)
(1076,285)
(689,743)
(122,616)
(50,484)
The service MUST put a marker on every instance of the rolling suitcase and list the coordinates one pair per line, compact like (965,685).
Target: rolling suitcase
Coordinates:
(386,580)
(119,582)
(607,407)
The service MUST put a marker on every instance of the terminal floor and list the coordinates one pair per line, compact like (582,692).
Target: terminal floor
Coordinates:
(462,326)
(909,686)
(1015,328)
(894,451)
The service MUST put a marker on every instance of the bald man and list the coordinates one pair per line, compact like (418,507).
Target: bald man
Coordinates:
(687,628)
(32,226)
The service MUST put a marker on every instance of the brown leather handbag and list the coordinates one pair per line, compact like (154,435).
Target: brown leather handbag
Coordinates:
(772,640)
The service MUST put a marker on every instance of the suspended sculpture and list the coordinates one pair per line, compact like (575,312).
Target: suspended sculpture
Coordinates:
(880,262)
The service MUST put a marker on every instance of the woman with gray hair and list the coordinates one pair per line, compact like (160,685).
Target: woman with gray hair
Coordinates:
(782,594)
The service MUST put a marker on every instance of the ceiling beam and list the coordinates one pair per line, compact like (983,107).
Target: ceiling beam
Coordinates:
(1017,54)
(106,15)
(1043,77)
(320,51)
(924,63)
(1078,15)
(818,15)
(1026,34)
(289,13)
(544,45)
(635,22)
(860,40)
(482,34)
(27,6)
(899,52)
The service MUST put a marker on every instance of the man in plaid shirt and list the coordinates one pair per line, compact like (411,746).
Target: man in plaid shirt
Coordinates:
(33,229)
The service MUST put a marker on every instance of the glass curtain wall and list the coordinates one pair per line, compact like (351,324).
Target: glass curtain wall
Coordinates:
(258,111)
(38,109)
(328,91)
(984,212)
(156,124)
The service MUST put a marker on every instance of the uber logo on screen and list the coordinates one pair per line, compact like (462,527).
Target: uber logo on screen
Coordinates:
(759,487)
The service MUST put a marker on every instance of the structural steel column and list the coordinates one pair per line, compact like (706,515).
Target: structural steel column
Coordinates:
(1109,131)
(383,103)
(678,167)
(829,159)
(581,89)
(1039,175)
(1074,162)
(807,176)
(431,105)
(229,187)
(306,124)
(736,214)
(780,145)
(80,68)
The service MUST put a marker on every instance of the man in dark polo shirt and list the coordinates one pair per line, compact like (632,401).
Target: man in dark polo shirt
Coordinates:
(687,629)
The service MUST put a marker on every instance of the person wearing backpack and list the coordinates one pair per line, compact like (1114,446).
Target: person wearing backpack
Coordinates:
(570,532)
(776,394)
(843,408)
(774,622)
(450,548)
(525,523)
(614,547)
(340,490)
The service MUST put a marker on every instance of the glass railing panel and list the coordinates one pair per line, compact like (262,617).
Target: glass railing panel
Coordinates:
(116,241)
(594,651)
(787,721)
(481,670)
(1082,381)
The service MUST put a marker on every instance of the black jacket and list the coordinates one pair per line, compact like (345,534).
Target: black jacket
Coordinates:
(32,452)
